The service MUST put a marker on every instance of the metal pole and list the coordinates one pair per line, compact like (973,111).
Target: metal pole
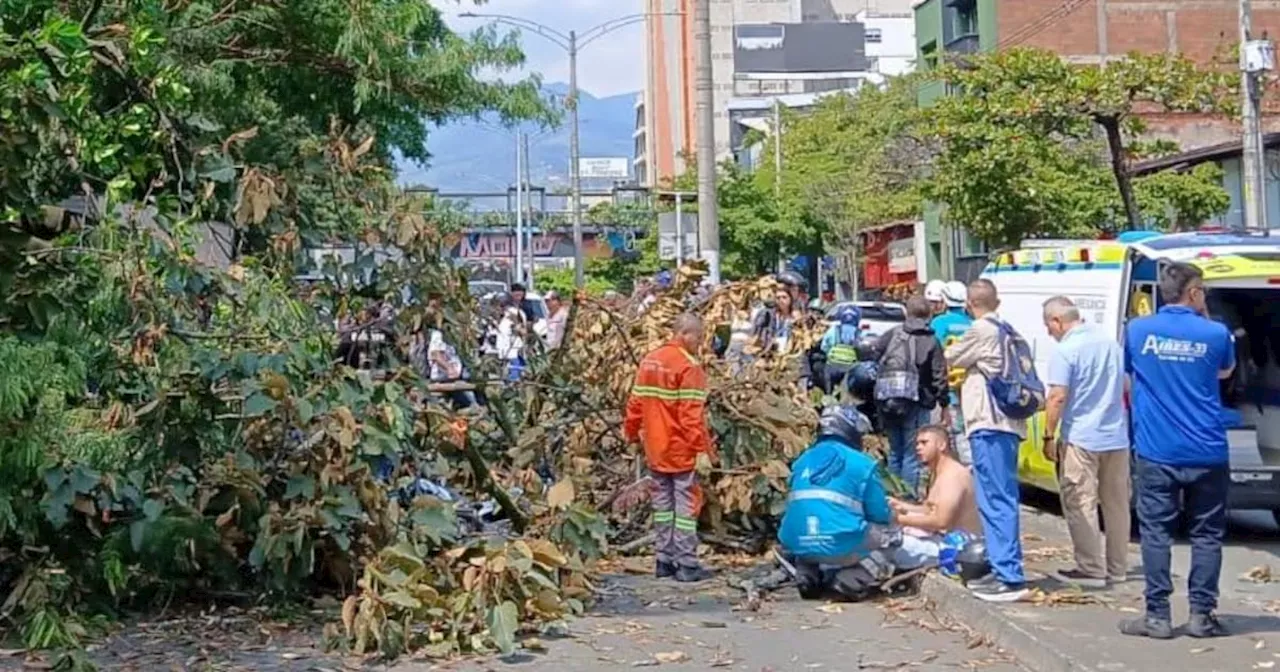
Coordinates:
(708,217)
(519,216)
(528,218)
(777,148)
(679,230)
(575,179)
(1255,206)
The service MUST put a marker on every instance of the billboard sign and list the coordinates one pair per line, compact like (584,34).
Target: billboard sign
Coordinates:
(604,168)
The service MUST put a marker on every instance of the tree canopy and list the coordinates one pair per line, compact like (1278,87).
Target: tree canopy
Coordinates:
(1031,145)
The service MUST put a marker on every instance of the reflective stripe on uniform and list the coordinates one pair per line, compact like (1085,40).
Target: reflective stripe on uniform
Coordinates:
(664,517)
(823,495)
(842,353)
(669,395)
(686,524)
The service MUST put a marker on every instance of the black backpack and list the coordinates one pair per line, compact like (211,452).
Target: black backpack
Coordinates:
(898,381)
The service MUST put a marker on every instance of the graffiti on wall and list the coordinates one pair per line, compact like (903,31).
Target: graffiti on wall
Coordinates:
(502,245)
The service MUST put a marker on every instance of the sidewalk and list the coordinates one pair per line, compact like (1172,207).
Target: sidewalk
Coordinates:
(1061,629)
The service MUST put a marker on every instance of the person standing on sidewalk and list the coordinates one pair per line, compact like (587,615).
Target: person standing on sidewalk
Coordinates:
(949,326)
(912,382)
(1175,359)
(993,441)
(1085,403)
(666,412)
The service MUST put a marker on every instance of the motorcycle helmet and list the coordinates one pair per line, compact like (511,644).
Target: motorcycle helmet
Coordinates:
(955,294)
(933,292)
(849,315)
(844,424)
(792,279)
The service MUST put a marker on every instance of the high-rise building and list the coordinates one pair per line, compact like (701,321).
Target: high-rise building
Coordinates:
(792,50)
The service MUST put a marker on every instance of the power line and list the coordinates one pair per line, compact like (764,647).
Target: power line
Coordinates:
(1046,21)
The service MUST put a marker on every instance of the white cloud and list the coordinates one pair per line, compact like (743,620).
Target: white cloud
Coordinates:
(609,65)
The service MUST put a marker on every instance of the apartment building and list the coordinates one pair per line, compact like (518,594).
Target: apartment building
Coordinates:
(792,50)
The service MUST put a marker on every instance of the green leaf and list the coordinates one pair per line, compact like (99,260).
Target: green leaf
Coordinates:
(257,404)
(152,509)
(403,599)
(503,621)
(305,409)
(300,486)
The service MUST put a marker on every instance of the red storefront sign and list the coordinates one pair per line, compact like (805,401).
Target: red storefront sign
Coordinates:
(889,256)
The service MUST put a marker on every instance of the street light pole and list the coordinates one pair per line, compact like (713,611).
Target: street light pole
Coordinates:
(571,43)
(708,214)
(575,176)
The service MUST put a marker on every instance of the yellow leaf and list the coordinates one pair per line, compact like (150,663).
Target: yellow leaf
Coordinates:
(671,657)
(561,494)
(236,271)
(349,613)
(831,609)
(545,553)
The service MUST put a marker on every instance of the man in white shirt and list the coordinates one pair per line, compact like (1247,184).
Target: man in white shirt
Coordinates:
(557,322)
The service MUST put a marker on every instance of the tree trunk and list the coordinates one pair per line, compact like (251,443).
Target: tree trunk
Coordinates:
(1120,169)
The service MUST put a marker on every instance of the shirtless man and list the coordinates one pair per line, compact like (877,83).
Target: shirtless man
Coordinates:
(950,505)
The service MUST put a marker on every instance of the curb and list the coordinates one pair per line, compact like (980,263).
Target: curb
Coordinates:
(953,601)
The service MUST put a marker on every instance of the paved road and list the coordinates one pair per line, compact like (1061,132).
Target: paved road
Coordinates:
(1082,627)
(673,628)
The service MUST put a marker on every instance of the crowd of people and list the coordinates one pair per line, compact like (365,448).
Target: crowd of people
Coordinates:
(954,388)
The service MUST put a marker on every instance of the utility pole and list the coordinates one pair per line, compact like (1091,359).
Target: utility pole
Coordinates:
(1256,57)
(519,276)
(777,148)
(528,217)
(575,178)
(708,216)
(679,230)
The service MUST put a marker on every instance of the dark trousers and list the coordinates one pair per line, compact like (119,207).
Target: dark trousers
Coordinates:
(1163,493)
(901,432)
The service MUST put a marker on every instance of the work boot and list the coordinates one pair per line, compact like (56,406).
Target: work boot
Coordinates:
(665,570)
(1205,625)
(1149,626)
(693,574)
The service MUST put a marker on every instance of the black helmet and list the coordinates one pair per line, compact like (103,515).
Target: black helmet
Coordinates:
(792,279)
(845,424)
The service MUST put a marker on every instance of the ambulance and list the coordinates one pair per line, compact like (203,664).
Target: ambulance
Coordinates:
(1113,281)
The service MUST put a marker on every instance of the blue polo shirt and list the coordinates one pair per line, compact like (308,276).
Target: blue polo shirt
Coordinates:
(948,327)
(1174,357)
(1090,364)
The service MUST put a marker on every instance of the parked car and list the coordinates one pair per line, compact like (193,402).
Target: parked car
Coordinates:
(877,317)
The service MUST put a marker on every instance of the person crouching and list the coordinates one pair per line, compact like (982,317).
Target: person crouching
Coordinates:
(838,513)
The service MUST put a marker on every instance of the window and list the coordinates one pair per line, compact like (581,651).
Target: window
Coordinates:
(874,36)
(929,55)
(969,246)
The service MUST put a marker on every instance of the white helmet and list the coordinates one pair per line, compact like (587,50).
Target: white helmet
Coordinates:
(933,292)
(955,294)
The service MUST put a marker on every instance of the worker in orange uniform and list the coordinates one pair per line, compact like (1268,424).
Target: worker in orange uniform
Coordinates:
(667,413)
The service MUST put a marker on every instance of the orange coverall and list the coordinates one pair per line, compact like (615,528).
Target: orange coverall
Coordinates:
(667,412)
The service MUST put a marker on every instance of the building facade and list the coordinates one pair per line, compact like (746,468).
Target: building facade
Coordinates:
(1082,31)
(761,49)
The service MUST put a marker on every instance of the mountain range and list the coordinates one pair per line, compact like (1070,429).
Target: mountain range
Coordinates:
(478,155)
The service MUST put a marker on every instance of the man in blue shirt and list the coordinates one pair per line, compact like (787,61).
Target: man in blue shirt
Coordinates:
(1175,359)
(837,510)
(949,327)
(1085,402)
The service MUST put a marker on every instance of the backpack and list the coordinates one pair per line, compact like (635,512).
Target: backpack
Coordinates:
(1016,390)
(898,381)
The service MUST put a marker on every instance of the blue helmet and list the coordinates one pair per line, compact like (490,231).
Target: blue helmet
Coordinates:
(845,424)
(849,314)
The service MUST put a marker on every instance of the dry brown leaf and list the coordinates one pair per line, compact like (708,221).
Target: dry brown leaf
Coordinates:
(670,657)
(561,495)
(1258,574)
(831,609)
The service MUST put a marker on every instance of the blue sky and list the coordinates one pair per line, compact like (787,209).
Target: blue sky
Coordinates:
(610,65)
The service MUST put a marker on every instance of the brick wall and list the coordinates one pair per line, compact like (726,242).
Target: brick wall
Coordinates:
(1204,30)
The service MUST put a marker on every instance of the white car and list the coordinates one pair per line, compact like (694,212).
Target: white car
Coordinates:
(877,317)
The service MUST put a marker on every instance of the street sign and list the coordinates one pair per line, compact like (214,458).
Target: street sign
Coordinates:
(604,168)
(667,245)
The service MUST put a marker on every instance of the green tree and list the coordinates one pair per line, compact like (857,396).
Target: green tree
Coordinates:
(752,234)
(1031,145)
